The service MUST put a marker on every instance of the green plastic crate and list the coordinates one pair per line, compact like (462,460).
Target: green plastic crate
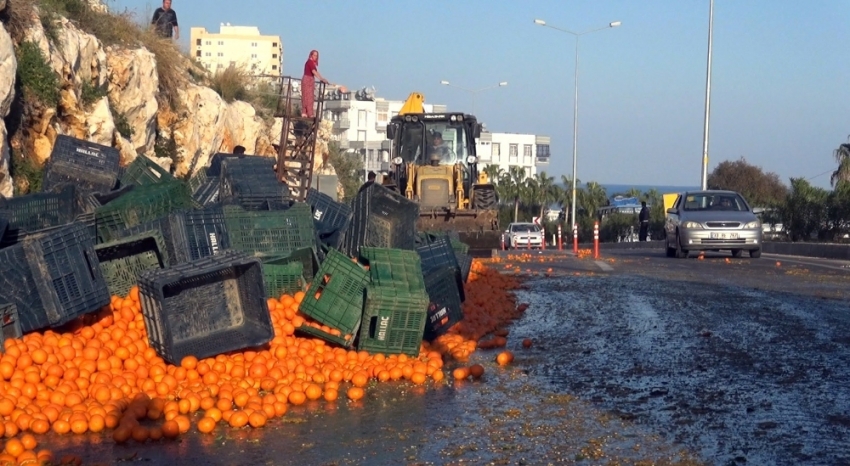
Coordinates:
(306,257)
(335,298)
(394,268)
(322,335)
(123,260)
(144,171)
(267,234)
(393,321)
(284,278)
(197,180)
(142,204)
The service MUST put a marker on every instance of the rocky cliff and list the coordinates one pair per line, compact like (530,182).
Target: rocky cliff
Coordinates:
(118,94)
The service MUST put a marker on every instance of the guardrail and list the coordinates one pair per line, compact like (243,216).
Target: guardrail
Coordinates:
(819,250)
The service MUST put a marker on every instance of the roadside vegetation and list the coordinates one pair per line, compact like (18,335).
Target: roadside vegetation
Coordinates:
(805,212)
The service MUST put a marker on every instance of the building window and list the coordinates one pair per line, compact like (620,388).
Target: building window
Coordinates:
(361,135)
(209,42)
(221,42)
(220,54)
(274,44)
(526,150)
(382,117)
(513,151)
(219,66)
(253,55)
(542,150)
(496,151)
(274,67)
(371,155)
(361,118)
(198,53)
(274,55)
(207,54)
(198,42)
(207,65)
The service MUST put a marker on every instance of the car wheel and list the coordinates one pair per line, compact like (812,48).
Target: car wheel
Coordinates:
(680,253)
(671,252)
(736,253)
(755,253)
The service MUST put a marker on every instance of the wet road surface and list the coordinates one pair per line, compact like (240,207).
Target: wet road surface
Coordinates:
(637,359)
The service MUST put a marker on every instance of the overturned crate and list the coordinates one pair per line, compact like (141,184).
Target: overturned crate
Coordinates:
(206,307)
(335,299)
(393,320)
(36,212)
(252,183)
(307,257)
(122,261)
(281,279)
(10,325)
(331,218)
(381,218)
(91,167)
(143,204)
(439,254)
(444,307)
(52,277)
(143,171)
(393,268)
(271,233)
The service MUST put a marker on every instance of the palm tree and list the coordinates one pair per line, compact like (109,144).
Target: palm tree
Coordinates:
(493,172)
(633,192)
(842,173)
(593,197)
(517,178)
(546,192)
(567,199)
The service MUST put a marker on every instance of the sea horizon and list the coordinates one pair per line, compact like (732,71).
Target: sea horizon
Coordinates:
(613,189)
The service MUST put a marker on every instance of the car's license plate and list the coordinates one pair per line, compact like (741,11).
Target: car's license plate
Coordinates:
(724,236)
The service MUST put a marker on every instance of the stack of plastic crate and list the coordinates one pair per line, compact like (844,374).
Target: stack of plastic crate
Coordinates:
(206,307)
(144,171)
(396,305)
(381,218)
(440,255)
(35,213)
(270,233)
(330,217)
(335,299)
(52,277)
(144,203)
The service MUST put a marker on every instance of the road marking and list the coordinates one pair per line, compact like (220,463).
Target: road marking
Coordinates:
(837,265)
(605,267)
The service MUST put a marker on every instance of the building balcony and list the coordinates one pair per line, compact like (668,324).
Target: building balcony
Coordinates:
(337,105)
(365,145)
(342,124)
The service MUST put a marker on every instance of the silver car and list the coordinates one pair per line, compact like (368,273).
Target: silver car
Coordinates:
(523,236)
(712,220)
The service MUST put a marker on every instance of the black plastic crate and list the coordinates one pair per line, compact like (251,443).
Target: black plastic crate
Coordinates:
(10,325)
(465,263)
(444,308)
(331,217)
(214,170)
(144,171)
(307,257)
(90,166)
(438,255)
(382,218)
(52,277)
(269,234)
(208,192)
(3,224)
(123,260)
(206,307)
(252,183)
(206,233)
(393,321)
(34,212)
(143,204)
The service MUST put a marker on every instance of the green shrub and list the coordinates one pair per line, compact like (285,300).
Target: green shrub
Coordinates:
(122,125)
(21,166)
(231,84)
(35,75)
(90,93)
(166,147)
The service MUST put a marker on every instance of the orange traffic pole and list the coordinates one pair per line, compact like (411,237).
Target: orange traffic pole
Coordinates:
(596,240)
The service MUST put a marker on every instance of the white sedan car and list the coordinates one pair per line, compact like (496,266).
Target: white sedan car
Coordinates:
(523,236)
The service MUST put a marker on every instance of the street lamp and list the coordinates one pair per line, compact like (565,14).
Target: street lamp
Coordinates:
(474,91)
(614,24)
(704,172)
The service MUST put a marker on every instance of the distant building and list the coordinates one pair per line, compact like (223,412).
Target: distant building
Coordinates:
(511,149)
(360,124)
(238,46)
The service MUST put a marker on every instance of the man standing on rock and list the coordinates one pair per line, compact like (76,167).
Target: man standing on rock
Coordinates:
(165,21)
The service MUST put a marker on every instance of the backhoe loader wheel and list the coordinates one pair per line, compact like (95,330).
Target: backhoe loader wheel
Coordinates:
(484,199)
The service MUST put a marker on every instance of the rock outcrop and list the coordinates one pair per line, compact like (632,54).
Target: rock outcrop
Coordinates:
(132,88)
(8,67)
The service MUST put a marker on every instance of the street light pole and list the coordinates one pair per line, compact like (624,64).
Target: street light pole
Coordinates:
(474,91)
(577,35)
(704,173)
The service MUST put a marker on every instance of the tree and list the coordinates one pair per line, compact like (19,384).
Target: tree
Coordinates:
(842,173)
(493,172)
(758,188)
(517,178)
(592,198)
(546,191)
(805,210)
(348,167)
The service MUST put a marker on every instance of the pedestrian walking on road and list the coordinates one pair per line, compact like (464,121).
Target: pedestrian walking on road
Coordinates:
(308,84)
(165,21)
(643,217)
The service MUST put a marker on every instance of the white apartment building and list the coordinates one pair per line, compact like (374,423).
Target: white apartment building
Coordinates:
(239,46)
(360,125)
(512,149)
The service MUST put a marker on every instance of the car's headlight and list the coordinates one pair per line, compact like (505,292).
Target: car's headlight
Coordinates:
(753,224)
(694,225)
(397,160)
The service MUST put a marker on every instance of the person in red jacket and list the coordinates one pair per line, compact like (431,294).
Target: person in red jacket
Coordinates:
(308,82)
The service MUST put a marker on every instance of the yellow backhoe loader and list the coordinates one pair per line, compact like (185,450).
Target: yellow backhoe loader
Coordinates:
(434,163)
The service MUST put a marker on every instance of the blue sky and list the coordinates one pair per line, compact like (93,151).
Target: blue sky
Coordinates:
(780,73)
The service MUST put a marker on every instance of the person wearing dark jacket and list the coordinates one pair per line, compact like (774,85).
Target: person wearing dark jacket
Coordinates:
(370,181)
(165,21)
(643,217)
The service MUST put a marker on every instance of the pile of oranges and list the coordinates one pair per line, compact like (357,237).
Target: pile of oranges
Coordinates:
(99,373)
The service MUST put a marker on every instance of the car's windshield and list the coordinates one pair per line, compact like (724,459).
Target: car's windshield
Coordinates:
(525,228)
(444,143)
(715,201)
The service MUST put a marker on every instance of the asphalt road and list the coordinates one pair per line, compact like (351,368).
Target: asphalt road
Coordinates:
(742,361)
